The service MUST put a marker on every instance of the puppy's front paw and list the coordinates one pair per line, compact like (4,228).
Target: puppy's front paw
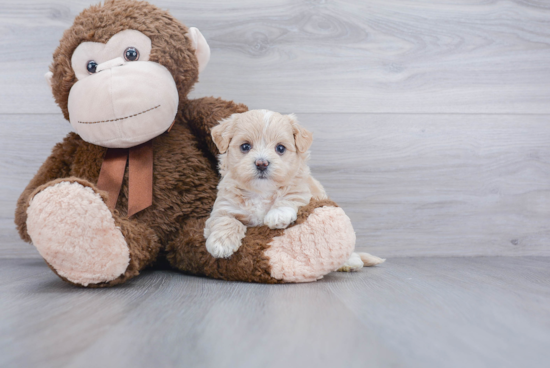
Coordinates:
(225,237)
(280,218)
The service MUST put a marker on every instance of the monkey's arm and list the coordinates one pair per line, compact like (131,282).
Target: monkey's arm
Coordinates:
(57,165)
(204,113)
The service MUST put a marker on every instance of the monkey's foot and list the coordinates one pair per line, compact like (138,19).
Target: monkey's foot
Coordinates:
(75,232)
(308,251)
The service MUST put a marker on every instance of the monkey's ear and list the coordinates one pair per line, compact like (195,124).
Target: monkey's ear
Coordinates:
(223,132)
(302,136)
(48,77)
(202,50)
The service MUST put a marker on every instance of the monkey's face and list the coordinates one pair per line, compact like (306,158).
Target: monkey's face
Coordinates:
(118,86)
(121,99)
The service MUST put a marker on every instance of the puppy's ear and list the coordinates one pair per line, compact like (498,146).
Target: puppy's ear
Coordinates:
(223,132)
(302,136)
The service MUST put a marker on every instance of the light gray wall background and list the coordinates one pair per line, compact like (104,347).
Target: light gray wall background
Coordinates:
(430,118)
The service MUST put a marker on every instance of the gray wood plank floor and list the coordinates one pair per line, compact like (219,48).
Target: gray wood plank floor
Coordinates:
(409,312)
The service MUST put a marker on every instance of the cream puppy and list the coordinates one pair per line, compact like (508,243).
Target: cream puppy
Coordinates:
(265,179)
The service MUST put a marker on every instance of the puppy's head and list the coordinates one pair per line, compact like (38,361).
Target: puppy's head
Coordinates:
(262,146)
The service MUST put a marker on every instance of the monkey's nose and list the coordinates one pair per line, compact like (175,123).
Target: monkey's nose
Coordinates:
(110,64)
(261,165)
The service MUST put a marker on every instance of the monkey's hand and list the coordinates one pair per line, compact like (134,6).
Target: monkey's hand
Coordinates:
(223,236)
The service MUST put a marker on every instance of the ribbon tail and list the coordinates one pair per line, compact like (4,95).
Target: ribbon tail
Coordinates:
(112,174)
(140,181)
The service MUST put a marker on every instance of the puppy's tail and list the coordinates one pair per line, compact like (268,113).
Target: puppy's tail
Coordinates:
(370,260)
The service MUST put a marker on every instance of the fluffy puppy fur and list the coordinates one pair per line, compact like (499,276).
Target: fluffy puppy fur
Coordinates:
(265,177)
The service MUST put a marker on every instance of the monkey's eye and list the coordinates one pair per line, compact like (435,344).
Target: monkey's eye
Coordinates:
(131,54)
(245,147)
(91,66)
(280,149)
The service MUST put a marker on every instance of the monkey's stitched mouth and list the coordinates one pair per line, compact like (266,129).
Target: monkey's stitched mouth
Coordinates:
(126,117)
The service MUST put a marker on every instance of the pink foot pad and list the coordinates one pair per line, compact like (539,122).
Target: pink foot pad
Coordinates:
(308,251)
(74,231)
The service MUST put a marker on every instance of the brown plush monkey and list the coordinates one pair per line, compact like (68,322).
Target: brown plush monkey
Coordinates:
(121,76)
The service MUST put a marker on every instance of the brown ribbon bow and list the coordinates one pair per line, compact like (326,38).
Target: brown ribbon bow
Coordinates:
(140,176)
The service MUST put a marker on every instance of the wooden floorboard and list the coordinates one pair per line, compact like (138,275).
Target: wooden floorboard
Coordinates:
(413,185)
(409,312)
(472,56)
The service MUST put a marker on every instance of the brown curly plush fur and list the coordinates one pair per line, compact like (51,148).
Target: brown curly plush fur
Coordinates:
(185,174)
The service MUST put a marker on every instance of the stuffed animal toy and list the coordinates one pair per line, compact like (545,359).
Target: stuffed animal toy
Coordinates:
(134,184)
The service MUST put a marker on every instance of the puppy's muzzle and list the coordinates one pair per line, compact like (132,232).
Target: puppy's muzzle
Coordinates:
(261,165)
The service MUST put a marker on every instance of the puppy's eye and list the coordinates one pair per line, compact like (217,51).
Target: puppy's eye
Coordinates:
(91,66)
(245,147)
(280,149)
(131,54)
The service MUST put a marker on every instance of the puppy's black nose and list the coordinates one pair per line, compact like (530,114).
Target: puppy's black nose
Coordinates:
(261,165)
